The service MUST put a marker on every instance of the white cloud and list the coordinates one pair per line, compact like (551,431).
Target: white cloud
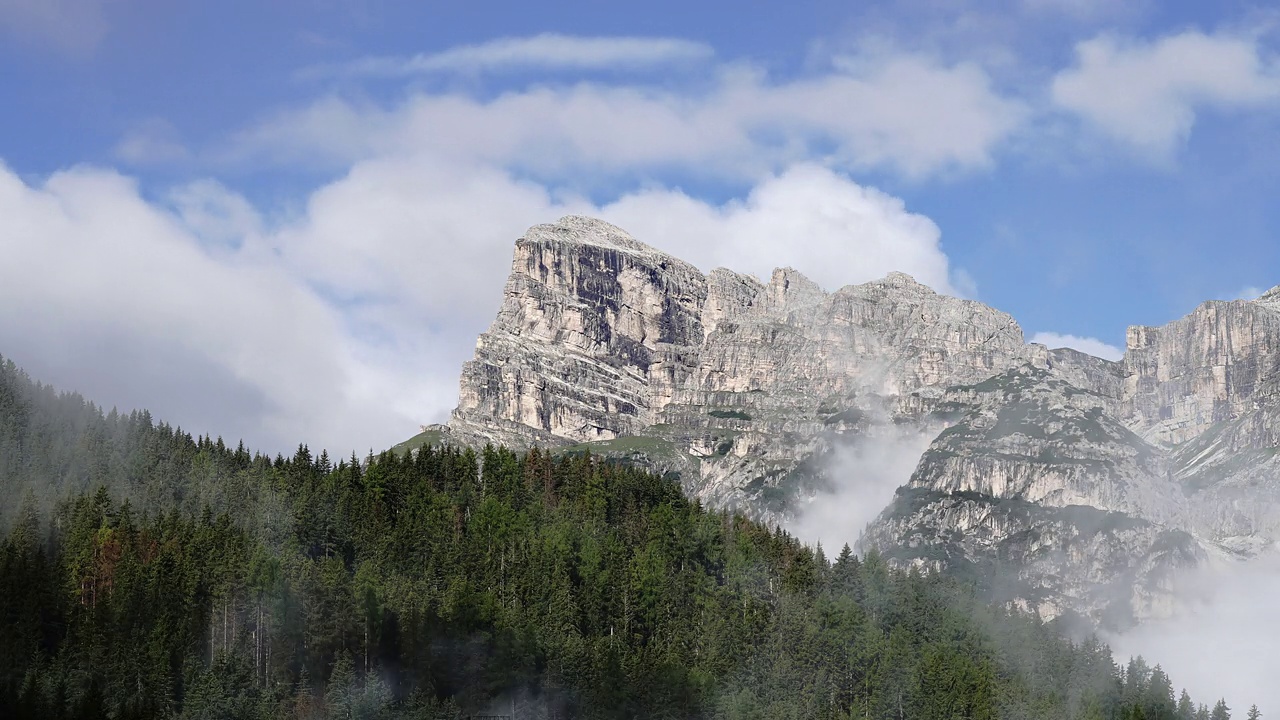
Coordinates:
(864,476)
(1245,293)
(548,51)
(832,229)
(105,293)
(346,324)
(904,113)
(1221,643)
(154,141)
(1077,9)
(1091,346)
(69,26)
(1147,94)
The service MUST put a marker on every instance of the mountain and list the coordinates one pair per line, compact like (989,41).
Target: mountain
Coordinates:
(1064,483)
(145,574)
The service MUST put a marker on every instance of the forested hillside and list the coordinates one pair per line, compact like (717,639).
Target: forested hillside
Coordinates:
(147,573)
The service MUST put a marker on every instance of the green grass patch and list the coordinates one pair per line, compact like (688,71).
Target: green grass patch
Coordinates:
(421,440)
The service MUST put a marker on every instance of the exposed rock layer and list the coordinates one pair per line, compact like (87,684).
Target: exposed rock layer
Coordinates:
(1088,483)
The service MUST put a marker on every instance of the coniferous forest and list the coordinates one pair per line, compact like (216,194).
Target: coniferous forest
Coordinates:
(148,573)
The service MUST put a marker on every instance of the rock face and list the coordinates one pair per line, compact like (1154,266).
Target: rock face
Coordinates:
(601,337)
(595,331)
(1065,483)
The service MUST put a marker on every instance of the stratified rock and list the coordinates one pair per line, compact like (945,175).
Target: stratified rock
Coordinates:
(601,336)
(1063,482)
(1219,362)
(595,330)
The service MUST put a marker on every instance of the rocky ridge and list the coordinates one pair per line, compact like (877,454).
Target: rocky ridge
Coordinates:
(1069,483)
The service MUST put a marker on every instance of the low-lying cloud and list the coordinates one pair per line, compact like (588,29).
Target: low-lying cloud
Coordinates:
(864,477)
(1222,644)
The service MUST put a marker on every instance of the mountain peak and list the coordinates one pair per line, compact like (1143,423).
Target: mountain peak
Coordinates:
(585,230)
(750,390)
(1270,297)
(901,279)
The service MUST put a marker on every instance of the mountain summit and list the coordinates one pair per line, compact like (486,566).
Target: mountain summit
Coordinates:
(1063,482)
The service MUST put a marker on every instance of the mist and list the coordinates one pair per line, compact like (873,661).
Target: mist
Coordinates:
(1222,641)
(865,475)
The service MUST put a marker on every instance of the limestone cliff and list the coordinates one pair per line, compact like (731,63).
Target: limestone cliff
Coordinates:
(737,381)
(1066,483)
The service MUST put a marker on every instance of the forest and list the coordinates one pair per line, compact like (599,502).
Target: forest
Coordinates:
(147,573)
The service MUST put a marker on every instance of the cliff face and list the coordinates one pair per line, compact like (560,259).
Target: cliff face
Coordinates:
(1068,482)
(1219,362)
(601,337)
(595,333)
(1179,444)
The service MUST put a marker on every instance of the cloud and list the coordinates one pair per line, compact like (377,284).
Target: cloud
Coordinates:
(1082,10)
(108,294)
(1221,642)
(830,228)
(345,322)
(903,112)
(1245,293)
(864,476)
(155,141)
(74,27)
(548,51)
(1147,94)
(1088,345)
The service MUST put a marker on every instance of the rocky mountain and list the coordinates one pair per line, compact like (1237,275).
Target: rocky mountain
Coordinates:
(1064,483)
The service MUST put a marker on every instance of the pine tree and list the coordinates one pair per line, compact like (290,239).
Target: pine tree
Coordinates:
(189,579)
(1254,714)
(1221,711)
(1186,709)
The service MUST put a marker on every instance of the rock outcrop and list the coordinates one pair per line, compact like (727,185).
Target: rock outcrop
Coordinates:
(601,337)
(1065,483)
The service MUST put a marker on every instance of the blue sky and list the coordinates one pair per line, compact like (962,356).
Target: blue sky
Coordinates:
(263,199)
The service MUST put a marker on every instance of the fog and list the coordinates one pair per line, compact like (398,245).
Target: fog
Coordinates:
(864,475)
(1223,641)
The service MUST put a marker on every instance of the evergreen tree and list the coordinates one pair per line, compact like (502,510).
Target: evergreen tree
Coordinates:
(151,574)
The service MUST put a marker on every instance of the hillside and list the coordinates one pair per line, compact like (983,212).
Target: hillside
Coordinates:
(1068,484)
(152,574)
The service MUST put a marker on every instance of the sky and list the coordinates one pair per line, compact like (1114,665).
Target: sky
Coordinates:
(288,221)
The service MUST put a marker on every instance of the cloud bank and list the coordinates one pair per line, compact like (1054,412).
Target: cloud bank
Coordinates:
(907,114)
(345,324)
(1222,643)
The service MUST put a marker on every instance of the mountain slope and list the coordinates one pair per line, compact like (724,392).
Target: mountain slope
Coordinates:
(450,583)
(748,390)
